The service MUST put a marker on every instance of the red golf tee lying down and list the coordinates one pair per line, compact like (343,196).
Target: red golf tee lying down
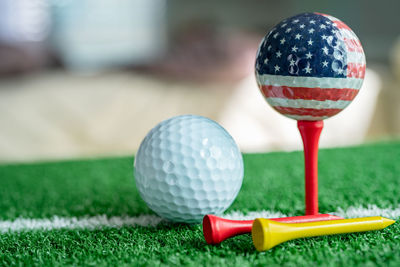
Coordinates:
(216,229)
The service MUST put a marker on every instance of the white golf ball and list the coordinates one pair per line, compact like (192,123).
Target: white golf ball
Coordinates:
(188,166)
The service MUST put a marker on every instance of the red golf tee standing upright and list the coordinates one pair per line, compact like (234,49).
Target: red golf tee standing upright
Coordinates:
(310,132)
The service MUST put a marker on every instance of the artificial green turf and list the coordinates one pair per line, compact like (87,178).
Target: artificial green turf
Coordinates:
(362,175)
(181,244)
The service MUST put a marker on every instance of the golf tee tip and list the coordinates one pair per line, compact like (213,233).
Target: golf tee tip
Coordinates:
(387,222)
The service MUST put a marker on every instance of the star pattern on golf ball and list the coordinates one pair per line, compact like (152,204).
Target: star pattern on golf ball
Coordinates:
(299,41)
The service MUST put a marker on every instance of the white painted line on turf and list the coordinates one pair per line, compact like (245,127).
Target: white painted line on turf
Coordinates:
(370,210)
(95,222)
(350,212)
(102,221)
(237,215)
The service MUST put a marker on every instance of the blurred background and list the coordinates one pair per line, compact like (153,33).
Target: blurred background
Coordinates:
(88,78)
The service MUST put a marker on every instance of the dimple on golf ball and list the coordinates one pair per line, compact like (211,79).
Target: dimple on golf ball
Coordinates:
(186,167)
(310,66)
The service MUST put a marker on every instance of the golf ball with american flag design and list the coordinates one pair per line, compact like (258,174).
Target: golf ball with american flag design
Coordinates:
(310,66)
